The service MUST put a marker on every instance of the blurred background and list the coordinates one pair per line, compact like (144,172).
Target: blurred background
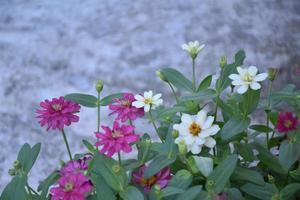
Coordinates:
(51,48)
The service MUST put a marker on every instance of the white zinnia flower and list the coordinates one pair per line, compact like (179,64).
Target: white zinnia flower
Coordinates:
(247,77)
(193,48)
(196,131)
(147,101)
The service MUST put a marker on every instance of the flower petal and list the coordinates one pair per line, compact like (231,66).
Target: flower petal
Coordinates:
(252,70)
(242,89)
(208,122)
(255,86)
(260,77)
(201,117)
(210,142)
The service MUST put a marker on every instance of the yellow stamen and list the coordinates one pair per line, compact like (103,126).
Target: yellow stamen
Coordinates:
(195,129)
(56,107)
(68,187)
(149,182)
(148,101)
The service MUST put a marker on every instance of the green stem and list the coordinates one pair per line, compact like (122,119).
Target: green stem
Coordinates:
(194,74)
(29,190)
(154,125)
(98,111)
(216,109)
(173,91)
(130,122)
(119,158)
(67,144)
(268,110)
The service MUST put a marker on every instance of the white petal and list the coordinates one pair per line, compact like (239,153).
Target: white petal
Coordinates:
(208,122)
(156,97)
(255,86)
(238,82)
(242,89)
(202,46)
(210,142)
(138,104)
(185,47)
(234,76)
(260,77)
(241,71)
(252,70)
(158,102)
(148,95)
(189,139)
(201,117)
(195,149)
(187,119)
(176,126)
(139,97)
(178,140)
(210,131)
(196,43)
(147,108)
(199,141)
(183,130)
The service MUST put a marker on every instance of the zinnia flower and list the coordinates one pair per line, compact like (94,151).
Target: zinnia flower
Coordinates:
(287,122)
(193,48)
(196,131)
(75,166)
(222,196)
(147,101)
(161,178)
(116,139)
(71,187)
(124,109)
(58,113)
(247,78)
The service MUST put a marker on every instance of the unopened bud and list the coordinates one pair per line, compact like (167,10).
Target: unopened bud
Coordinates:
(175,134)
(157,190)
(192,165)
(116,169)
(161,76)
(272,73)
(223,62)
(182,147)
(12,172)
(99,86)
(17,164)
(275,197)
(210,185)
(271,179)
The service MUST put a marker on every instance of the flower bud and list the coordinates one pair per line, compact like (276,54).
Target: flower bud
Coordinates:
(271,179)
(275,197)
(175,134)
(157,190)
(182,147)
(192,165)
(210,185)
(116,168)
(99,86)
(17,164)
(223,62)
(12,172)
(161,76)
(272,73)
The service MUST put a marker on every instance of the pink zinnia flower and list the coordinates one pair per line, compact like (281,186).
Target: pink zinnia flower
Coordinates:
(287,121)
(124,109)
(116,139)
(161,178)
(221,196)
(75,166)
(57,113)
(71,187)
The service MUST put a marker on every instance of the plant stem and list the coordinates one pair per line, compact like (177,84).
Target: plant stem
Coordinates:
(194,74)
(154,125)
(119,158)
(67,144)
(173,91)
(98,110)
(268,110)
(29,190)
(130,122)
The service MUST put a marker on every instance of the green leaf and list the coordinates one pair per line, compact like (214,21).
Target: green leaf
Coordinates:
(89,146)
(191,194)
(295,174)
(233,127)
(177,79)
(289,191)
(261,192)
(109,99)
(289,153)
(44,186)
(245,151)
(132,193)
(261,128)
(83,99)
(268,159)
(106,167)
(234,194)
(15,190)
(248,175)
(223,82)
(204,164)
(222,173)
(250,101)
(168,191)
(205,83)
(103,191)
(182,179)
(27,156)
(200,96)
(168,112)
(158,163)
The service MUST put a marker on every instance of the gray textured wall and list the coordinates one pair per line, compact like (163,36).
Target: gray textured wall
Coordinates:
(50,48)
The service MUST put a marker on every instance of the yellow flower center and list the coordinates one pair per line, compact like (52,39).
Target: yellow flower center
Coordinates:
(68,187)
(149,182)
(116,134)
(56,107)
(125,103)
(287,123)
(247,77)
(148,101)
(195,129)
